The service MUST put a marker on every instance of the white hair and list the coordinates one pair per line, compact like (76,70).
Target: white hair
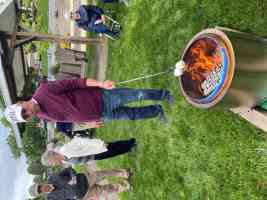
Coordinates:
(47,156)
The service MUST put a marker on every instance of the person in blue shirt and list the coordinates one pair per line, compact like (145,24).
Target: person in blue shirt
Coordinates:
(91,18)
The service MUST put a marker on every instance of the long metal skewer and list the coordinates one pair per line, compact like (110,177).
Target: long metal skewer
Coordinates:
(145,77)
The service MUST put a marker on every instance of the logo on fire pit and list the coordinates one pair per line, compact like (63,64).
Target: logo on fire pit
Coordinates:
(212,81)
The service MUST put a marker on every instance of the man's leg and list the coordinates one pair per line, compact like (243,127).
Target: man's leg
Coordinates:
(107,191)
(102,28)
(113,101)
(116,148)
(100,175)
(123,186)
(136,113)
(121,96)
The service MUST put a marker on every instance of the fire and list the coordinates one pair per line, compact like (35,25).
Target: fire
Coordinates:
(202,58)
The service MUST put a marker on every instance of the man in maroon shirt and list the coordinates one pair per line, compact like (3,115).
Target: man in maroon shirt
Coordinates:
(86,100)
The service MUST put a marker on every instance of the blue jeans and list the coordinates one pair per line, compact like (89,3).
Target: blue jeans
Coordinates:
(114,103)
(102,28)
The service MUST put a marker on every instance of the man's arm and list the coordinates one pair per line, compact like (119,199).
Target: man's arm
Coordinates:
(81,159)
(95,83)
(62,86)
(95,9)
(101,21)
(88,125)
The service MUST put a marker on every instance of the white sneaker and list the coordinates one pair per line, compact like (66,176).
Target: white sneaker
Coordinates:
(126,2)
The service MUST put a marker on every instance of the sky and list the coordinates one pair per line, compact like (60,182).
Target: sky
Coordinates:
(13,173)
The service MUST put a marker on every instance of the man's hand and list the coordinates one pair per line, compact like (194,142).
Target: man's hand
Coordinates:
(73,180)
(99,21)
(103,19)
(94,124)
(108,85)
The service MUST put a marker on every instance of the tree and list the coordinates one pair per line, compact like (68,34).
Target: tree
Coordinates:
(35,167)
(5,122)
(34,141)
(37,179)
(15,150)
(34,144)
(2,102)
(30,85)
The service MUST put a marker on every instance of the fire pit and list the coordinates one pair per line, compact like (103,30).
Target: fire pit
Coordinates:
(223,64)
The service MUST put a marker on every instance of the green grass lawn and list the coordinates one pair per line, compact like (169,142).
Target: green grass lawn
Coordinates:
(199,154)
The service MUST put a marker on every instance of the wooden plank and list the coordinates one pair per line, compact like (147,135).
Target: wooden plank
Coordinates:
(51,38)
(257,118)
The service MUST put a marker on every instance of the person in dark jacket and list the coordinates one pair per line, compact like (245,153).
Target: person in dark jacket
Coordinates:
(75,129)
(69,185)
(91,18)
(87,100)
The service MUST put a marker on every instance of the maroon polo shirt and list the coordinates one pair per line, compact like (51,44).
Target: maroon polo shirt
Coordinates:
(69,101)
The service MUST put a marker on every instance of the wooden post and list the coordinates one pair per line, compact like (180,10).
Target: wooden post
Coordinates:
(50,38)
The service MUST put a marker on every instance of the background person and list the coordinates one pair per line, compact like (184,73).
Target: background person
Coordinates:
(75,129)
(91,18)
(82,150)
(69,185)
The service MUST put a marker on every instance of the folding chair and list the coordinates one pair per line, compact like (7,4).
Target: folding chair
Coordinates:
(113,25)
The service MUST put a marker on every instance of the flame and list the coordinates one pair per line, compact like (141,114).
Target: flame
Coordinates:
(203,57)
